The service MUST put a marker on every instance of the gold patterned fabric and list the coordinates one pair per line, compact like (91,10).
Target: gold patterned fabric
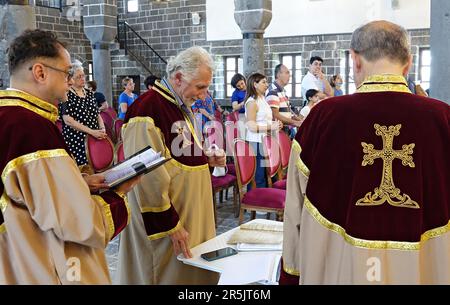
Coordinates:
(384,83)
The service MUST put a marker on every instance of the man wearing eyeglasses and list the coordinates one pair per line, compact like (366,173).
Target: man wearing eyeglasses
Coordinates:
(52,231)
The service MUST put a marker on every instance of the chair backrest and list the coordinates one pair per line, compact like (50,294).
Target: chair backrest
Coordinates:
(214,134)
(100,153)
(285,148)
(110,110)
(272,150)
(109,123)
(232,116)
(231,133)
(245,162)
(118,123)
(120,156)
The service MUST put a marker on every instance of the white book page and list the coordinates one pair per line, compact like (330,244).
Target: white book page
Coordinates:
(125,169)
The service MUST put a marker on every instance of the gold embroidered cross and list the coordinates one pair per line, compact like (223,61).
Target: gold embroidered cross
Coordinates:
(387,190)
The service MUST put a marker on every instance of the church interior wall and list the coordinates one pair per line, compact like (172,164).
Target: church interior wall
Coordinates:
(168,28)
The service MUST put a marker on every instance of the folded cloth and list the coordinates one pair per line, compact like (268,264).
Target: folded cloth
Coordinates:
(263,225)
(259,231)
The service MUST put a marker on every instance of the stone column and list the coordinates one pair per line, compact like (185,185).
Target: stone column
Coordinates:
(439,47)
(253,17)
(15,17)
(100,27)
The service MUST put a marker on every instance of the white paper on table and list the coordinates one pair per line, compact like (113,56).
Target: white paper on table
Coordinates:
(259,247)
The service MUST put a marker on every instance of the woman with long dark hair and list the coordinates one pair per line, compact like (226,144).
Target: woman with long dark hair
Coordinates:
(258,121)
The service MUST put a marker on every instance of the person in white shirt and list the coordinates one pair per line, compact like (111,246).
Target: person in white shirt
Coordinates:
(258,121)
(312,98)
(315,79)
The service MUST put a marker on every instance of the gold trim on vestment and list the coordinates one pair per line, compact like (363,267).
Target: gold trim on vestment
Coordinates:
(139,119)
(127,206)
(156,209)
(40,107)
(172,99)
(385,82)
(108,214)
(164,234)
(374,244)
(167,97)
(3,205)
(301,166)
(173,161)
(189,168)
(3,202)
(40,154)
(291,271)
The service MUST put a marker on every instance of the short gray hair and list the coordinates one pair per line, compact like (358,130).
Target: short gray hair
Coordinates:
(381,39)
(188,62)
(77,65)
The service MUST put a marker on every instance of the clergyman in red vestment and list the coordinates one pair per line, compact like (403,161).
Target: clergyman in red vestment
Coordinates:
(52,231)
(369,174)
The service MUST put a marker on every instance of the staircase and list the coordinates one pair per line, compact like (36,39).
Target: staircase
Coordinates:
(131,55)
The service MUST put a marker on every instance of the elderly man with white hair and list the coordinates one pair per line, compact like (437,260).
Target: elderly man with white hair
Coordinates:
(172,208)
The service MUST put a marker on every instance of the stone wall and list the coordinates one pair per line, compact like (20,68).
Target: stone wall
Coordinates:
(168,28)
(68,29)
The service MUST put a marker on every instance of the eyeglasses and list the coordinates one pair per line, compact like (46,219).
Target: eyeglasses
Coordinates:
(79,77)
(69,73)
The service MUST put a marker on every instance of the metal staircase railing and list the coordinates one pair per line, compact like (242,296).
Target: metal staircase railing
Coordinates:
(136,46)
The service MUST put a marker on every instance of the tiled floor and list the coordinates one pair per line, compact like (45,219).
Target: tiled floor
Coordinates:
(225,221)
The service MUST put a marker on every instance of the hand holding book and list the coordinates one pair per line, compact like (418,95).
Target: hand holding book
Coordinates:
(140,163)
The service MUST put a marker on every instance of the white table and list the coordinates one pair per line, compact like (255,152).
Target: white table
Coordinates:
(243,268)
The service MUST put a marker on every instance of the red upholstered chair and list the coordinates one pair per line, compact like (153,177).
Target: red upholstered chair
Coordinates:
(272,151)
(214,135)
(232,116)
(268,200)
(118,123)
(120,156)
(285,149)
(112,113)
(99,152)
(109,122)
(231,133)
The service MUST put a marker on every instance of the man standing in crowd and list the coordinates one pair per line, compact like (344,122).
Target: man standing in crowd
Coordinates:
(52,231)
(278,99)
(315,79)
(384,217)
(172,208)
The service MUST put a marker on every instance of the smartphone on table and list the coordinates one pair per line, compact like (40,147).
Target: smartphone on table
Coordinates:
(219,253)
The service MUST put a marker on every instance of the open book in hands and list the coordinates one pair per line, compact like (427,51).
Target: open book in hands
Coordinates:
(142,162)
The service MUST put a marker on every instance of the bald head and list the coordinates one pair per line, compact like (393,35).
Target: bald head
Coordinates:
(381,40)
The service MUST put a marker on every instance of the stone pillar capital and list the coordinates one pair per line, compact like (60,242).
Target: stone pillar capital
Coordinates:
(253,16)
